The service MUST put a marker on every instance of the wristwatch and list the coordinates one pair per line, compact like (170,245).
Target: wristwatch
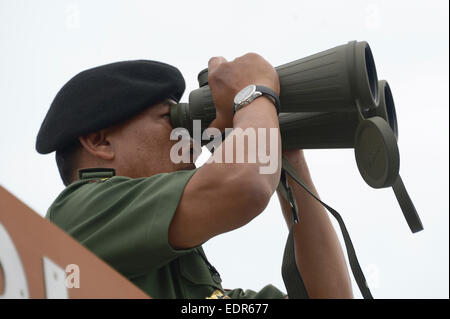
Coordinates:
(250,93)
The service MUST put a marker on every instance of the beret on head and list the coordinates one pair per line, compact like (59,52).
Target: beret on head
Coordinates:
(106,95)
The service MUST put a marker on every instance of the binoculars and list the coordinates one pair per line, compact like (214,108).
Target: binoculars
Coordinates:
(329,100)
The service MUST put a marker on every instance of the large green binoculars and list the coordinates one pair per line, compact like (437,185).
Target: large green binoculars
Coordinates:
(342,79)
(331,99)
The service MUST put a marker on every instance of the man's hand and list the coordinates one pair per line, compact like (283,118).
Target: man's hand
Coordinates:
(226,79)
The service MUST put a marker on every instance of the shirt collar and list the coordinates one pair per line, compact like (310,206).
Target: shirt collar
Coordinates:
(98,172)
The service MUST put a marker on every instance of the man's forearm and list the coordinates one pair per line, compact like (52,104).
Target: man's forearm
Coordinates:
(238,191)
(225,194)
(318,252)
(258,115)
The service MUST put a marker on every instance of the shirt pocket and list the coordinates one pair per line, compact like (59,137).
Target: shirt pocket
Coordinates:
(197,278)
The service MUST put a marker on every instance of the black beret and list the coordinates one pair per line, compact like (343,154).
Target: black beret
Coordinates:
(106,95)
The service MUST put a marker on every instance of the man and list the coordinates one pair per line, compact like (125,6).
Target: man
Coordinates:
(147,216)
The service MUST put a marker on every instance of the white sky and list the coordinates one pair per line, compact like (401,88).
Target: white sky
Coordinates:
(44,43)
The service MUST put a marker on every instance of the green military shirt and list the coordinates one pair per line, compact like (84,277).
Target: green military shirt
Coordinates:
(125,222)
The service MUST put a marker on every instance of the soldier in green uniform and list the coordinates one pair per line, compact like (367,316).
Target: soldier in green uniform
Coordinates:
(147,216)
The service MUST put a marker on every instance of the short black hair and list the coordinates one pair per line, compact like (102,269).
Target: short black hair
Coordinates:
(66,162)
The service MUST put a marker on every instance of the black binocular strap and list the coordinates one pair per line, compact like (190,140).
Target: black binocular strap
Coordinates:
(291,275)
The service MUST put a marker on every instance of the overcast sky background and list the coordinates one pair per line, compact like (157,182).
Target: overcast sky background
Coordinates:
(44,43)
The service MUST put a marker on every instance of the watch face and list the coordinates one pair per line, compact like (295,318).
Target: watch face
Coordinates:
(244,94)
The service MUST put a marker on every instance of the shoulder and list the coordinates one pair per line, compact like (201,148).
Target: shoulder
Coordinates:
(94,194)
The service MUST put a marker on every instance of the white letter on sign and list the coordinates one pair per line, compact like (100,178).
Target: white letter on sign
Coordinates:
(15,282)
(73,279)
(55,280)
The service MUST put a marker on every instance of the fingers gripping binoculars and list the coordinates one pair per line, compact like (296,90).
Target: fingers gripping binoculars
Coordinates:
(329,100)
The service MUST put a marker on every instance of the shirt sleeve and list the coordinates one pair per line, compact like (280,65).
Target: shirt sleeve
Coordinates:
(124,221)
(268,292)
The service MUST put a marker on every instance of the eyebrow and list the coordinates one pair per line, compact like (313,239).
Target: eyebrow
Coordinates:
(165,105)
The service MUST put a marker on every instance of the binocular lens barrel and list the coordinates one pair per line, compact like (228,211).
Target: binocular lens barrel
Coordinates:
(333,129)
(318,130)
(341,79)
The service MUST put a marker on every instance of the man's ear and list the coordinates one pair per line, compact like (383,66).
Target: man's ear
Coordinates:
(98,144)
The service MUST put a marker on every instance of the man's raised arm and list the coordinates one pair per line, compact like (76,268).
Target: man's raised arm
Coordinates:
(224,196)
